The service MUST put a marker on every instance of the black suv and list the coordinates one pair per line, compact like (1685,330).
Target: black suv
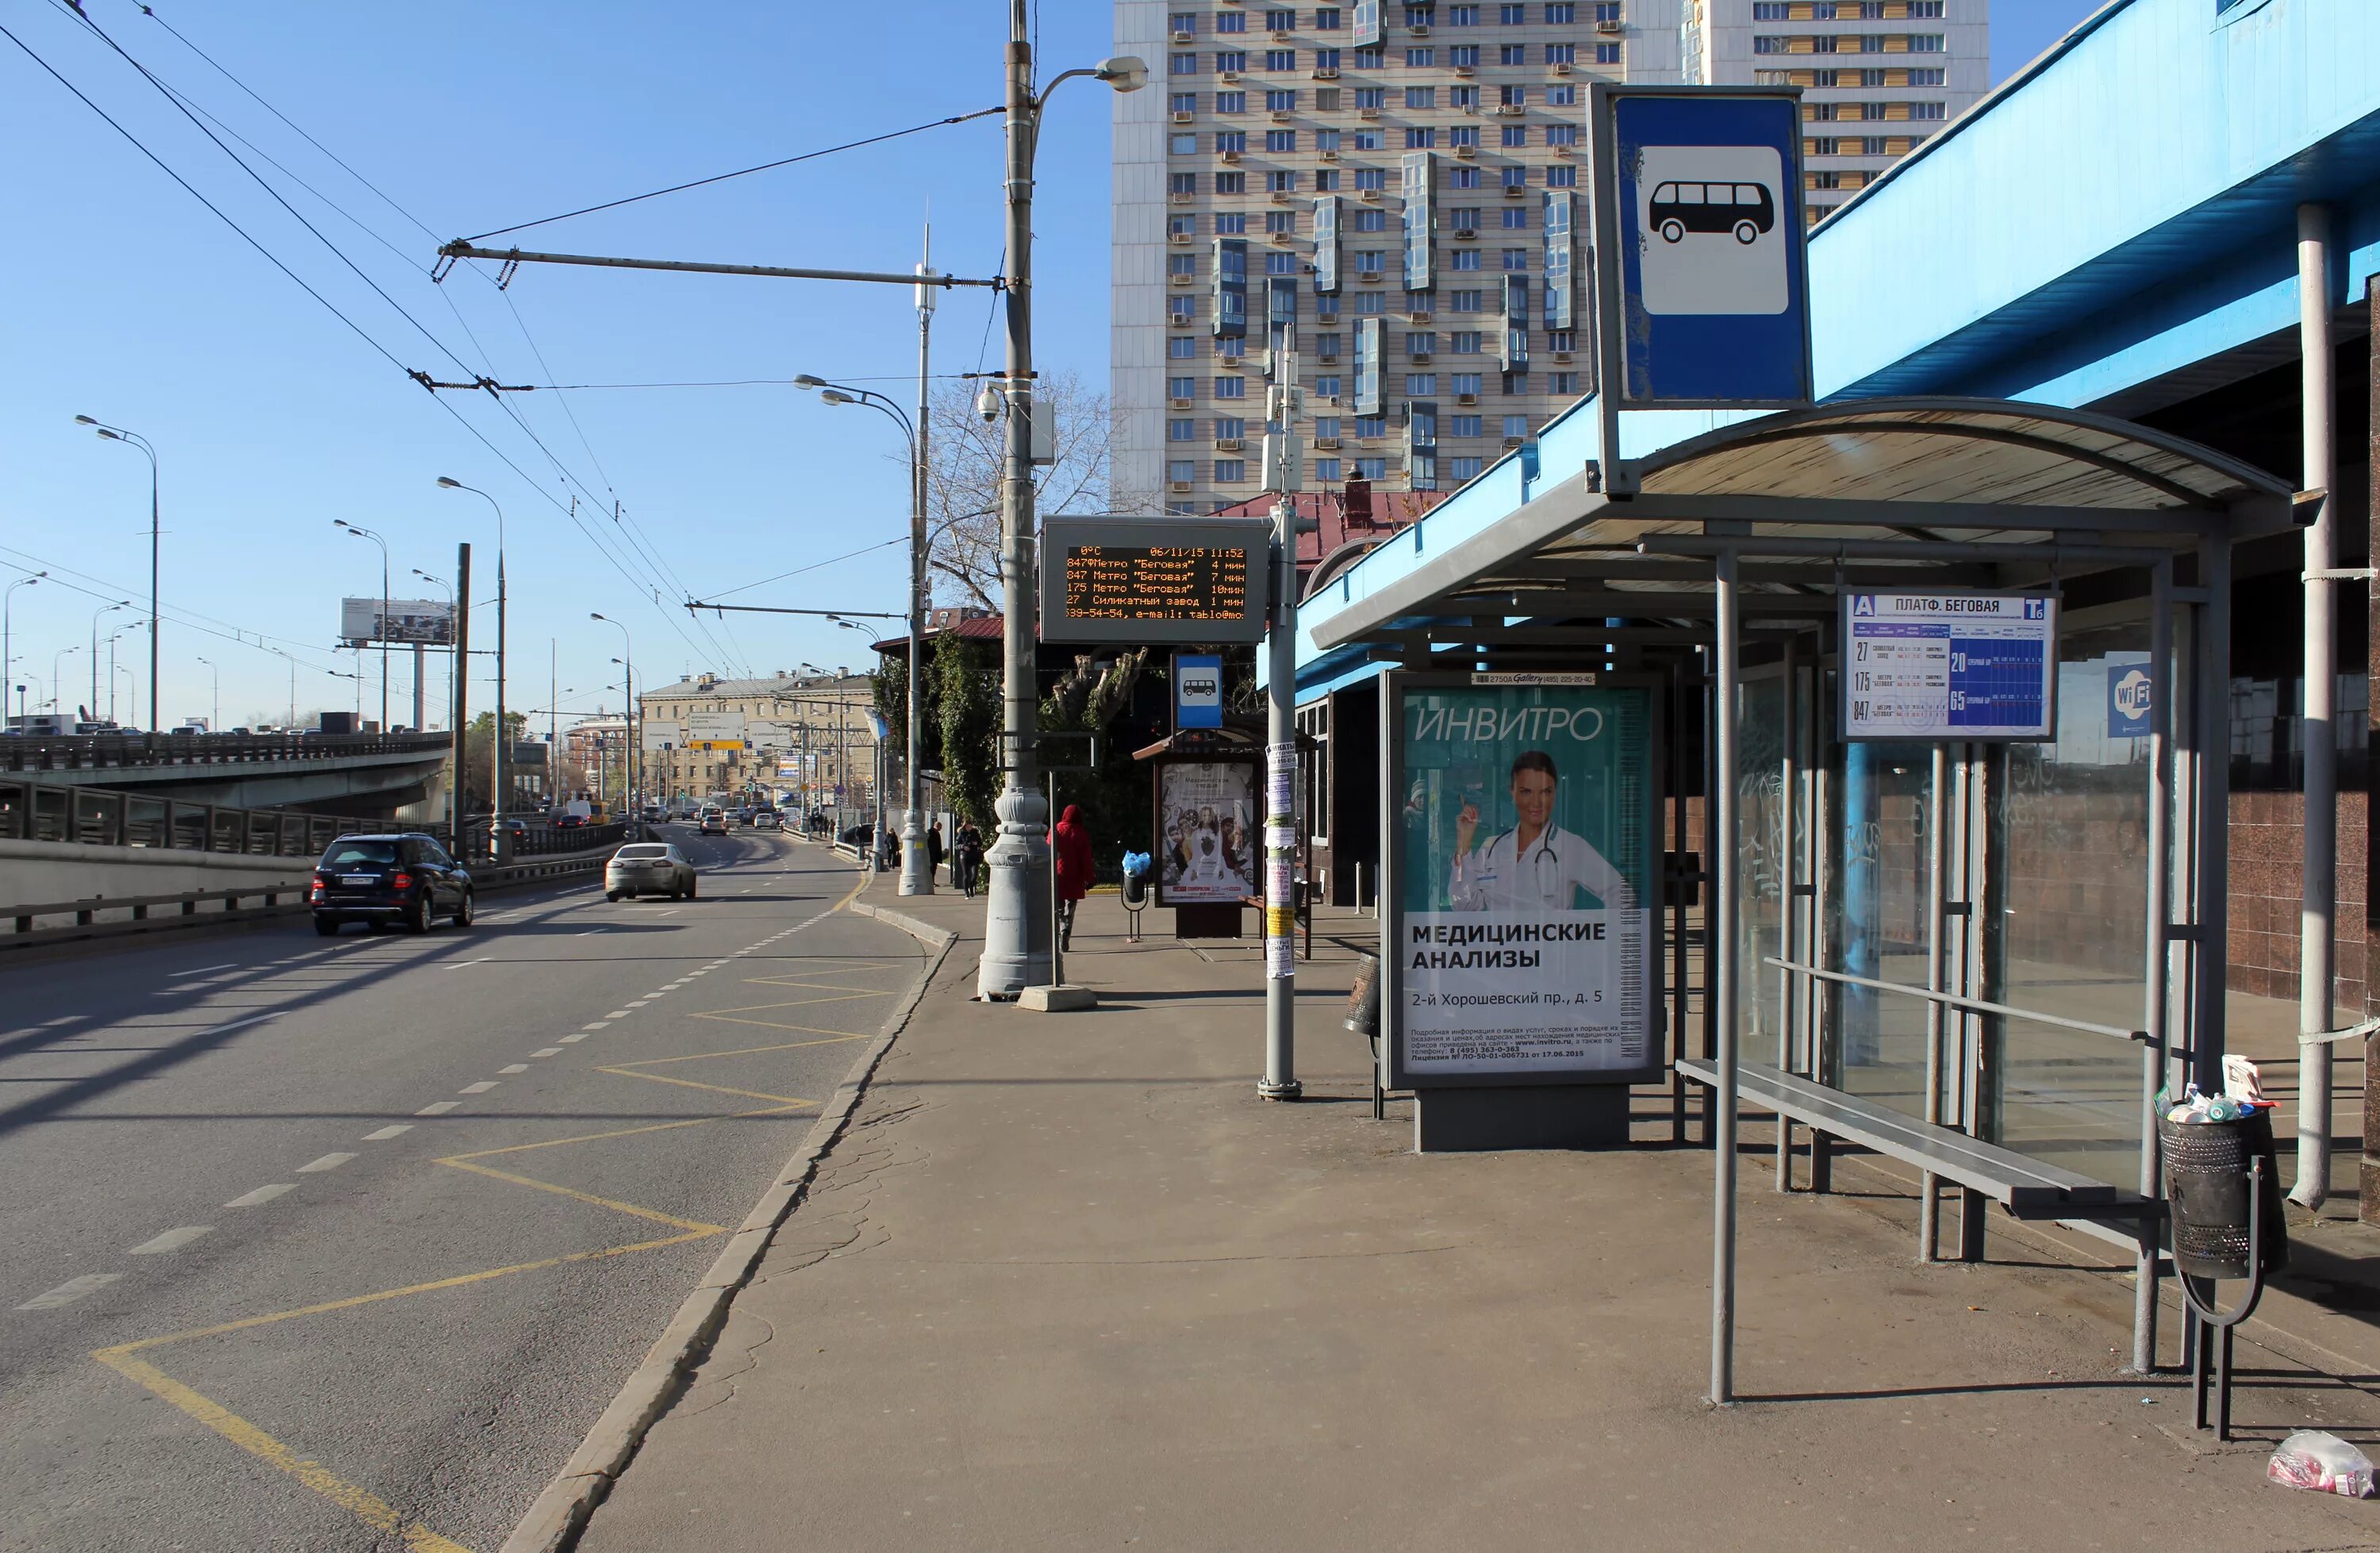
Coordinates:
(401,877)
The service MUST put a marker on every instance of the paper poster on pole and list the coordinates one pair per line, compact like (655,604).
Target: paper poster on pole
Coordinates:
(1280,779)
(1523,877)
(1206,831)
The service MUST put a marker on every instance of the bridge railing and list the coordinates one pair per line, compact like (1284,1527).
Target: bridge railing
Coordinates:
(34,752)
(32,811)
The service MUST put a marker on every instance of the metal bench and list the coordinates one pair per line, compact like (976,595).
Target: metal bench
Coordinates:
(2027,1188)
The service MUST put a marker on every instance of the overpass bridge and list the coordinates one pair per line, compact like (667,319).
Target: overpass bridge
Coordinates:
(387,776)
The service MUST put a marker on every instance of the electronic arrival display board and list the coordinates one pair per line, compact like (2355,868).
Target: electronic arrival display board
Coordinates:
(1180,581)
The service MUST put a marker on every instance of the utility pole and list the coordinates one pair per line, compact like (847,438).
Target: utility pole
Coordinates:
(455,810)
(1285,470)
(1016,931)
(2317,936)
(916,868)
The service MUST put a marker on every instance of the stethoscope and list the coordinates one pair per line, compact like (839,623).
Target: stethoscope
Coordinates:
(1540,859)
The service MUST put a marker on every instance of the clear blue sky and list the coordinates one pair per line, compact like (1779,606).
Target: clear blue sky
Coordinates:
(131,303)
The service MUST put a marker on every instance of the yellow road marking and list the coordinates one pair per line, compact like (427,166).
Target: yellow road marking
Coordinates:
(362,1503)
(616,1206)
(728,1018)
(714,1088)
(739,1051)
(624,1132)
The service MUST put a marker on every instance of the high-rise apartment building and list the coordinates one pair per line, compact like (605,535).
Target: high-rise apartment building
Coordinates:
(1877,77)
(1395,188)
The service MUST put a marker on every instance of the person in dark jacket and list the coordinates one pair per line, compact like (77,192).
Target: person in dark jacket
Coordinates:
(967,857)
(1071,848)
(934,851)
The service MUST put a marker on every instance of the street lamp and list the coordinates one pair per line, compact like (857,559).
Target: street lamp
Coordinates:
(57,659)
(629,763)
(358,676)
(134,439)
(215,721)
(8,627)
(104,609)
(1017,930)
(502,842)
(453,658)
(132,700)
(916,868)
(361,532)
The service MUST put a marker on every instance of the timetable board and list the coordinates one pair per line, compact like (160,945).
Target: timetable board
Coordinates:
(1165,580)
(1949,666)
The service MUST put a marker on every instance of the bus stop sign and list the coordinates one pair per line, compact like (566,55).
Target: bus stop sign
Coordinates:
(1698,199)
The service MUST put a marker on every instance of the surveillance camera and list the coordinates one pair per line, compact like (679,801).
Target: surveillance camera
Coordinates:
(987,404)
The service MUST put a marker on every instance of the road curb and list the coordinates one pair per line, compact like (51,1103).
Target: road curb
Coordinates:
(561,1512)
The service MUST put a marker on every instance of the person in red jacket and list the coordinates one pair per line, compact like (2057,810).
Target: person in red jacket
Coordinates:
(1071,847)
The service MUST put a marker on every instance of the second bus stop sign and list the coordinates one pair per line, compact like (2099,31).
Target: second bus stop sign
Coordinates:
(1178,581)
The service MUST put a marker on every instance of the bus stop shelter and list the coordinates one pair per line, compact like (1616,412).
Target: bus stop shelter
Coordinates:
(1984,959)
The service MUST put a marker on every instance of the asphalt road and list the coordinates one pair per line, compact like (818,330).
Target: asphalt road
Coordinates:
(343,1244)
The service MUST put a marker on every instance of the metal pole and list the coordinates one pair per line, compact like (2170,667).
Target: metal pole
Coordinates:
(502,851)
(2213,720)
(1929,1202)
(2317,935)
(420,710)
(1280,1082)
(384,636)
(916,866)
(1788,899)
(456,808)
(1016,948)
(1723,895)
(152,589)
(2162,678)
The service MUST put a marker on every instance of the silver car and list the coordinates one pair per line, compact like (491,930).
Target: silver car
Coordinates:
(649,868)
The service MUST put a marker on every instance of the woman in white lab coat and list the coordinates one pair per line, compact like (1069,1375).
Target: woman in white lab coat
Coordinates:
(1537,867)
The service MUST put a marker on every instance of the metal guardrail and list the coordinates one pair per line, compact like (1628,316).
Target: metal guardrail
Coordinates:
(1953,1000)
(32,811)
(42,752)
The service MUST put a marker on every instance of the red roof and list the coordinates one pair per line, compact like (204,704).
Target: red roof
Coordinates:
(1362,522)
(980,628)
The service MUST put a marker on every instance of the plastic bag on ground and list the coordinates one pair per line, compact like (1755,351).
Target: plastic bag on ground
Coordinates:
(2323,1462)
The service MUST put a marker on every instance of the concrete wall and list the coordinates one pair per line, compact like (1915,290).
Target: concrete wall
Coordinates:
(41,873)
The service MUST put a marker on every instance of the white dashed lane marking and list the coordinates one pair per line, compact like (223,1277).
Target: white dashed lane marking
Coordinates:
(598,1024)
(514,1068)
(617,1013)
(479,1089)
(387,1132)
(201,970)
(262,1194)
(327,1162)
(438,1108)
(172,1240)
(546,1051)
(70,1291)
(570,1040)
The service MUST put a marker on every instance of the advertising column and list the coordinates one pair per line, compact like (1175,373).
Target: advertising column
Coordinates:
(1522,986)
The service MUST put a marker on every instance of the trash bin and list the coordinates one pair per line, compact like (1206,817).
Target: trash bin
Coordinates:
(1364,999)
(2206,1186)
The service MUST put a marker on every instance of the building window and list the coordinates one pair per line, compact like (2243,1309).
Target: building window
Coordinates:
(1371,426)
(1419,97)
(1925,110)
(1231,388)
(1327,19)
(1561,382)
(1180,263)
(1281,263)
(1182,65)
(1466,301)
(1371,177)
(1420,15)
(1561,134)
(1463,426)
(1231,224)
(1421,343)
(1769,45)
(1281,183)
(1231,139)
(1562,175)
(1516,258)
(1512,53)
(1326,471)
(1182,310)
(1464,135)
(1922,10)
(1371,97)
(1420,139)
(1463,55)
(1420,58)
(1464,259)
(1826,180)
(1468,382)
(1562,54)
(1371,220)
(1512,96)
(1278,222)
(1371,58)
(1326,180)
(1231,102)
(1279,141)
(1373,469)
(1230,182)
(1280,59)
(1326,385)
(1606,10)
(1231,347)
(1371,302)
(1327,309)
(1466,218)
(1235,59)
(1513,15)
(1926,77)
(1231,471)
(1515,136)
(1371,264)
(1184,144)
(1231,21)
(1463,470)
(1181,388)
(1180,471)
(1230,426)
(1181,429)
(1463,97)
(1463,16)
(1561,13)
(1564,96)
(1182,226)
(1465,178)
(1516,426)
(1607,54)
(1516,178)
(1185,102)
(1280,21)
(1872,145)
(1281,101)
(1463,342)
(1516,218)
(1184,21)
(1925,42)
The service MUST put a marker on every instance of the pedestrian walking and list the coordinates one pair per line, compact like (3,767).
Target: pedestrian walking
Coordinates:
(1071,849)
(934,851)
(966,859)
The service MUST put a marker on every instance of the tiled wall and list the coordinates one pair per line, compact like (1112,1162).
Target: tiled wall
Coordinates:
(2267,862)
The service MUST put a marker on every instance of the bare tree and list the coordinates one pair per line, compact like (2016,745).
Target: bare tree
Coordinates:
(962,482)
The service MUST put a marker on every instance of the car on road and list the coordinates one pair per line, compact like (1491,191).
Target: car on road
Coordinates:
(649,868)
(713,824)
(570,819)
(401,877)
(652,814)
(743,815)
(511,824)
(767,820)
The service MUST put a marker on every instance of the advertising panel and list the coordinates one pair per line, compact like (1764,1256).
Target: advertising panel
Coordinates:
(658,736)
(1147,579)
(714,730)
(430,621)
(1949,666)
(1523,875)
(1207,825)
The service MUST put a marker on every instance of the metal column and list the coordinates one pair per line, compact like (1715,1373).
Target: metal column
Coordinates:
(2212,727)
(2153,982)
(2317,935)
(1929,1202)
(1722,924)
(1789,782)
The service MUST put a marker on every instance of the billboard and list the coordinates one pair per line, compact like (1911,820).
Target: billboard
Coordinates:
(430,621)
(659,736)
(1206,823)
(1145,579)
(714,730)
(1949,666)
(1523,875)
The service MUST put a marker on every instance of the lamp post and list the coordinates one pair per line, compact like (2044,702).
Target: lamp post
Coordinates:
(8,631)
(502,842)
(1018,941)
(452,657)
(916,868)
(134,439)
(133,699)
(215,721)
(363,533)
(629,761)
(103,609)
(356,675)
(57,660)
(291,725)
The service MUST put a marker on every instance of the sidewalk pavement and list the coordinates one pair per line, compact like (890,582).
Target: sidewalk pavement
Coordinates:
(1066,1283)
